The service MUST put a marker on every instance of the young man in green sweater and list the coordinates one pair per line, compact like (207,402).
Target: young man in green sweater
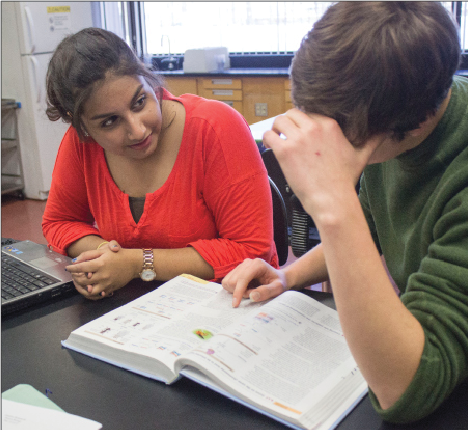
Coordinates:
(375,93)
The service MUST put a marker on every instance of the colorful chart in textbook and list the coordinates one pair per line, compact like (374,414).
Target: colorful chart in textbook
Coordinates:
(203,334)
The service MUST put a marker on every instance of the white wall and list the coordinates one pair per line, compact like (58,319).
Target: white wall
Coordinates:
(11,61)
(39,138)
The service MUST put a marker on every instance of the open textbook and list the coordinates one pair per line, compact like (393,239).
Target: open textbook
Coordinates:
(286,358)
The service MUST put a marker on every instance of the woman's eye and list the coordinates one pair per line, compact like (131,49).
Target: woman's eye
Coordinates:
(108,122)
(141,101)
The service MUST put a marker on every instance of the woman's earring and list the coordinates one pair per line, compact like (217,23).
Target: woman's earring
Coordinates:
(86,133)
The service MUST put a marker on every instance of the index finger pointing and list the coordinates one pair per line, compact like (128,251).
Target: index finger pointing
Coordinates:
(241,287)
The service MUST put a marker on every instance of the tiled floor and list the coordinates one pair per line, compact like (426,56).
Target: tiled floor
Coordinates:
(21,220)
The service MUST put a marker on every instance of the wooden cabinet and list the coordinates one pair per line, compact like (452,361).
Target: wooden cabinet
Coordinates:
(287,94)
(181,85)
(256,98)
(263,98)
(226,90)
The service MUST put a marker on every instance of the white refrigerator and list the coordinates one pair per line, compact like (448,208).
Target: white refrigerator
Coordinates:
(30,33)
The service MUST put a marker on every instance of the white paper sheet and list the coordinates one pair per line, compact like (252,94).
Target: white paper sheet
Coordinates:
(19,416)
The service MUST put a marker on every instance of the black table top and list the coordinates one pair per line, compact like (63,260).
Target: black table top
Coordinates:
(121,400)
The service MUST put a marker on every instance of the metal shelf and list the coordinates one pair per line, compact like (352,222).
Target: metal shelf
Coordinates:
(11,182)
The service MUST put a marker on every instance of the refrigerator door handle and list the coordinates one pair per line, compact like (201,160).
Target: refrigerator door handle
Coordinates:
(30,25)
(37,84)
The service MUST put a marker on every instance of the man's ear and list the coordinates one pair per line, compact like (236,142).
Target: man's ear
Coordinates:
(416,132)
(423,126)
(432,120)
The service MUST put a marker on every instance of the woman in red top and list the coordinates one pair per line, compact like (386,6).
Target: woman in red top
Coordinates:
(147,184)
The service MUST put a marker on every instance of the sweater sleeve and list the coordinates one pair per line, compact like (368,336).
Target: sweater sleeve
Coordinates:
(437,295)
(67,217)
(237,191)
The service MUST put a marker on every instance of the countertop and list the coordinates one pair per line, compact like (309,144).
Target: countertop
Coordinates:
(235,72)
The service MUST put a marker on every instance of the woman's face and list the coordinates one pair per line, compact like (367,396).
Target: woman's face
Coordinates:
(123,116)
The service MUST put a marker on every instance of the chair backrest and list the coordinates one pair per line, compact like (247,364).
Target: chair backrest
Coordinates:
(303,233)
(275,173)
(280,223)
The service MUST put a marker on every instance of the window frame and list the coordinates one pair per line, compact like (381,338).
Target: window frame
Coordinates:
(134,24)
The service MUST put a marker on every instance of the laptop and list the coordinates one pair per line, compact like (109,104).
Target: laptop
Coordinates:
(32,273)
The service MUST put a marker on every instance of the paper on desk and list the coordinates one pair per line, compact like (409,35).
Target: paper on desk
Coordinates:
(19,416)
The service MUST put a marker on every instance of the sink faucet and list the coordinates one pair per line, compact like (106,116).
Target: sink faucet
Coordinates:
(168,42)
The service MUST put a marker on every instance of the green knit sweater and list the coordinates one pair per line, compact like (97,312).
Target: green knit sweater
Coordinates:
(416,206)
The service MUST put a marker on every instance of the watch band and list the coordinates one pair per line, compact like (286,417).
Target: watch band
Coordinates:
(147,272)
(148,259)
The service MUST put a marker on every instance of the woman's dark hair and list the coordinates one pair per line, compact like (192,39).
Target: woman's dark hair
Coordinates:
(83,59)
(377,67)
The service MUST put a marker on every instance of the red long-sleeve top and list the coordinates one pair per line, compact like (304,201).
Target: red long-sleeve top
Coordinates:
(216,199)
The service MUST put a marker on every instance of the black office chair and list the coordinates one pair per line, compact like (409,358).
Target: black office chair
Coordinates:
(280,223)
(304,235)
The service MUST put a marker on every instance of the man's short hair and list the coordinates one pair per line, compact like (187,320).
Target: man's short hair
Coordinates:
(377,67)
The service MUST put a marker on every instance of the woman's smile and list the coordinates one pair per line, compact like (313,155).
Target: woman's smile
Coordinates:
(143,144)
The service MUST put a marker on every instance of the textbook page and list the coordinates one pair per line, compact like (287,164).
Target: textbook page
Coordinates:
(288,359)
(159,326)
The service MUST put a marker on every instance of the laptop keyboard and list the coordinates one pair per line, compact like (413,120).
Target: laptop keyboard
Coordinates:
(19,278)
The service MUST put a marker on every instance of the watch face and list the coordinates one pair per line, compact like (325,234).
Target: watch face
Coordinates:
(148,275)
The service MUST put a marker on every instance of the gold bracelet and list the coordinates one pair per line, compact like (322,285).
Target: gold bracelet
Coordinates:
(103,243)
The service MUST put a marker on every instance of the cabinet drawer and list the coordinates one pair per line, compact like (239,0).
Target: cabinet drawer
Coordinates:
(221,94)
(227,83)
